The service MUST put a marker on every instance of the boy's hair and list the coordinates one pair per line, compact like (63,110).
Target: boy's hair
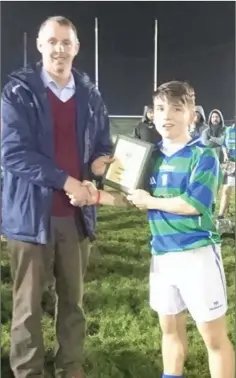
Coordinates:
(61,20)
(178,91)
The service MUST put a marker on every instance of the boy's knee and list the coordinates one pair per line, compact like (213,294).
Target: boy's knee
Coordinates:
(214,333)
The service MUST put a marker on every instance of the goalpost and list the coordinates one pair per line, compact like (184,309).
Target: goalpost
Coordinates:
(155,66)
(117,125)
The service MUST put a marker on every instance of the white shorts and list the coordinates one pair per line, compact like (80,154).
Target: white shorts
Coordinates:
(192,280)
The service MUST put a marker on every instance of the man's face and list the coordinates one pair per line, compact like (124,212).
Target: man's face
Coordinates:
(150,115)
(197,118)
(215,119)
(172,119)
(58,45)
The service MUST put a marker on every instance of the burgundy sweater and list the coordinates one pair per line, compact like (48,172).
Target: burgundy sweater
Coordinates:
(65,148)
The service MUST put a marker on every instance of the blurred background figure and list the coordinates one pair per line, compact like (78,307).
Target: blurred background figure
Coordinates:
(199,123)
(229,153)
(146,130)
(214,135)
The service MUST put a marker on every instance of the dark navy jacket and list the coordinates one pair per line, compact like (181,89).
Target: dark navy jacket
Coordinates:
(30,172)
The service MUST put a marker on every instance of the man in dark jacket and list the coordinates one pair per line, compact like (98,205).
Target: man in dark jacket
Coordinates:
(199,124)
(55,134)
(214,135)
(146,129)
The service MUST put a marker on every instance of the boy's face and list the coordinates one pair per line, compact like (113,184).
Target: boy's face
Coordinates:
(172,119)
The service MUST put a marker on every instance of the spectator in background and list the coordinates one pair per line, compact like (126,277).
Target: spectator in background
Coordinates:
(214,135)
(146,129)
(229,152)
(199,123)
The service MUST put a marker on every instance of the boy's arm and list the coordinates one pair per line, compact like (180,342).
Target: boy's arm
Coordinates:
(113,199)
(175,205)
(199,196)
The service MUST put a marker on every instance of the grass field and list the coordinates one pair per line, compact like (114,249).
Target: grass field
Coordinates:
(123,334)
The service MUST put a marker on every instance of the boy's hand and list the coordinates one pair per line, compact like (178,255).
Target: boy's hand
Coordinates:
(140,198)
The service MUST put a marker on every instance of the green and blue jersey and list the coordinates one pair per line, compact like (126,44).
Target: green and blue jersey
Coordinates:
(192,173)
(230,142)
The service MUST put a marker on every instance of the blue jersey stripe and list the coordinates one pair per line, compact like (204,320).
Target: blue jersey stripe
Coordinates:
(155,215)
(201,193)
(177,241)
(208,163)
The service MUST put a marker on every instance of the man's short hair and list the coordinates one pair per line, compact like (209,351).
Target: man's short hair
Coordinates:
(176,91)
(61,20)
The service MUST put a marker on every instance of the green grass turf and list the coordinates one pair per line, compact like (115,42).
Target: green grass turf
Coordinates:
(123,338)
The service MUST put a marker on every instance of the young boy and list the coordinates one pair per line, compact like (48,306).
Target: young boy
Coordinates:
(186,267)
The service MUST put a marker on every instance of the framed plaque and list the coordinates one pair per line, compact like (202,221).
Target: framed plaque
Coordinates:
(128,170)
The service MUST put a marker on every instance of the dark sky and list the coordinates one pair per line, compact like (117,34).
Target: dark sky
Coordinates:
(189,33)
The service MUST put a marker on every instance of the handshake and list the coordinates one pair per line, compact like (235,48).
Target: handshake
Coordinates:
(85,195)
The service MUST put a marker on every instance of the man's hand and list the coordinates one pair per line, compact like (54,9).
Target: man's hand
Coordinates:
(92,195)
(99,165)
(139,198)
(93,192)
(76,191)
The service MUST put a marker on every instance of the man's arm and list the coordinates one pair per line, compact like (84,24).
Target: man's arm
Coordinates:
(103,143)
(205,138)
(19,151)
(218,141)
(136,132)
(211,141)
(20,156)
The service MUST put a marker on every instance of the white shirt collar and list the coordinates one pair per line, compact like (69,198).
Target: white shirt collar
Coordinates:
(47,79)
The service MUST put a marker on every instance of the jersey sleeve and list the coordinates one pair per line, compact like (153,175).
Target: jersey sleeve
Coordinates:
(204,182)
